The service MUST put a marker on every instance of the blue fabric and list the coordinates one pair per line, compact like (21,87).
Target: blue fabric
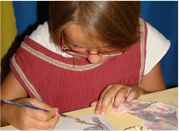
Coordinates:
(25,12)
(163,15)
(28,15)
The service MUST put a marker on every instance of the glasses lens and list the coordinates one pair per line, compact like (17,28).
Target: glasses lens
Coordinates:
(110,54)
(77,54)
(86,55)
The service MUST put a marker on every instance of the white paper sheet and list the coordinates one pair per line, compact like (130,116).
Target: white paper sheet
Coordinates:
(98,123)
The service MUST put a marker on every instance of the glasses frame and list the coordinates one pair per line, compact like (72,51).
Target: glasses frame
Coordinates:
(87,52)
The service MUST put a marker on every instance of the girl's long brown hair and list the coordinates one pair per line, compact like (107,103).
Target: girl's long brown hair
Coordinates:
(114,22)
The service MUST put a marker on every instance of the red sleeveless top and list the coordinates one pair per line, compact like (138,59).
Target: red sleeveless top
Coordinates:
(57,81)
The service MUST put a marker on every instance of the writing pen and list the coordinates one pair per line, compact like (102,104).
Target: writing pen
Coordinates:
(36,108)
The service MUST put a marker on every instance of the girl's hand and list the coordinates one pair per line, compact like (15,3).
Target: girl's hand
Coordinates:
(24,118)
(118,91)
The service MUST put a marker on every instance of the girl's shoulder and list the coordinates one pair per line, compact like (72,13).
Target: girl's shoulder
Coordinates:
(154,36)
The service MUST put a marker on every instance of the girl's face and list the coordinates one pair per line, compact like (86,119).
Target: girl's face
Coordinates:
(75,39)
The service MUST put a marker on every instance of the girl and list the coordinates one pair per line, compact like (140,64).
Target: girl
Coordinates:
(88,53)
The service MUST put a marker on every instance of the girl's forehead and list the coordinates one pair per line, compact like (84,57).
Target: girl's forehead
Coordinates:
(75,33)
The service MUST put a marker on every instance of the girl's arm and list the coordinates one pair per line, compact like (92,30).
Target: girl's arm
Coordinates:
(21,117)
(153,81)
(10,89)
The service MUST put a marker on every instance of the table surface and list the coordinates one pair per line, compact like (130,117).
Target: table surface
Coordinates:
(124,120)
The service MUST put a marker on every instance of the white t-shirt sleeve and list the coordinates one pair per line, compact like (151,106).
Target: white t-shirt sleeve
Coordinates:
(42,36)
(157,47)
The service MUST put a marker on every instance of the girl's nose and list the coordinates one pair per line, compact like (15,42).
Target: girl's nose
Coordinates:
(93,58)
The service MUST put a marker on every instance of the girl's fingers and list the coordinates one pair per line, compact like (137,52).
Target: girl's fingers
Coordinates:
(31,118)
(34,124)
(41,115)
(132,95)
(117,91)
(121,94)
(106,98)
(99,103)
(94,103)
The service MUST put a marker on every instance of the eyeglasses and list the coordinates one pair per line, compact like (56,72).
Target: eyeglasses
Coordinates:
(87,52)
